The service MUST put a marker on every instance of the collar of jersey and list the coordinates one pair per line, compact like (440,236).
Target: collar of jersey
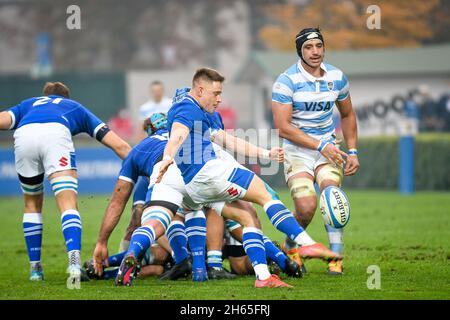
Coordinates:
(194,101)
(309,76)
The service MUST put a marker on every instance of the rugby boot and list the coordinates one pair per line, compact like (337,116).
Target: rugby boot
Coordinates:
(294,255)
(219,274)
(127,271)
(181,270)
(336,268)
(318,251)
(36,273)
(292,269)
(272,282)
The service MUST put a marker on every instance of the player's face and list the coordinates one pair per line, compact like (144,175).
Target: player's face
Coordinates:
(313,52)
(211,95)
(157,92)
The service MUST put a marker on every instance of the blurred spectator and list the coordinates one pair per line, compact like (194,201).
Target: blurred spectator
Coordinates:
(122,124)
(157,103)
(429,112)
(444,105)
(412,114)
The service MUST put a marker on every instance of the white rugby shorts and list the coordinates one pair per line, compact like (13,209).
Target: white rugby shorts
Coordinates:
(219,180)
(298,159)
(172,189)
(43,148)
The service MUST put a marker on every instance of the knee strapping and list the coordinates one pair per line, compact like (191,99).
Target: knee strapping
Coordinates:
(64,183)
(156,214)
(32,186)
(231,225)
(32,189)
(302,187)
(329,172)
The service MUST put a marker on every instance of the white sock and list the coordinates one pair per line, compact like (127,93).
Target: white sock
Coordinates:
(304,239)
(74,257)
(261,271)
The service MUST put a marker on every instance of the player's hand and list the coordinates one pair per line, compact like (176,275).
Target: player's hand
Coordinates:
(277,154)
(352,165)
(163,168)
(334,155)
(100,254)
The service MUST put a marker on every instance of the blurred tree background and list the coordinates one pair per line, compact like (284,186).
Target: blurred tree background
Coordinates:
(404,23)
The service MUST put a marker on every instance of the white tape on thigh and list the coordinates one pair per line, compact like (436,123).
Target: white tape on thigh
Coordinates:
(301,187)
(32,190)
(329,172)
(64,183)
(156,214)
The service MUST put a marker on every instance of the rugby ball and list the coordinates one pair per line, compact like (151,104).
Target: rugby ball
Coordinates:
(334,207)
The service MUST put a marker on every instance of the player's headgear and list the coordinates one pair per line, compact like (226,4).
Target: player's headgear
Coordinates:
(155,122)
(304,36)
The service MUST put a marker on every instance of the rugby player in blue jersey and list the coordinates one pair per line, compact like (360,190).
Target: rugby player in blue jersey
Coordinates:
(43,146)
(303,99)
(209,179)
(215,224)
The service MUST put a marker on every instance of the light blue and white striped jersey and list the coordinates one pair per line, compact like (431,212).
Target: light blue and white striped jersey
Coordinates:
(312,99)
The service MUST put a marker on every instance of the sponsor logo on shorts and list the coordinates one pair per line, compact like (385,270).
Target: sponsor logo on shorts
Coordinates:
(63,161)
(233,192)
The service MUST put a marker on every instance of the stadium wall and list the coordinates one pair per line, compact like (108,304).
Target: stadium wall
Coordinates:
(102,93)
(98,169)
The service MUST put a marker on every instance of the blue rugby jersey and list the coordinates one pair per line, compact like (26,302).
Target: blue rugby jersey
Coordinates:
(143,157)
(197,149)
(312,99)
(57,109)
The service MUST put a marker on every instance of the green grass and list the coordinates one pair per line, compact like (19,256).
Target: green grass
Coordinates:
(408,237)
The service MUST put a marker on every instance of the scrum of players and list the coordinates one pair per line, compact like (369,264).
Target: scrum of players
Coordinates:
(193,202)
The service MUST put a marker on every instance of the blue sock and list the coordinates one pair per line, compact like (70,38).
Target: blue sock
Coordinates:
(282,219)
(178,240)
(214,259)
(335,238)
(196,233)
(252,241)
(275,254)
(71,227)
(140,241)
(110,273)
(115,260)
(32,230)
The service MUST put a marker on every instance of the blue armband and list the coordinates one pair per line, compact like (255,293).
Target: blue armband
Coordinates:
(322,145)
(352,152)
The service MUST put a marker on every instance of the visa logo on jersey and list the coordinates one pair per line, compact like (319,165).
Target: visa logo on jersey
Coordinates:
(319,106)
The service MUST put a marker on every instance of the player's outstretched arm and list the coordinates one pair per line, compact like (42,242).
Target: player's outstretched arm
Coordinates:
(178,134)
(242,147)
(350,132)
(5,120)
(119,199)
(119,146)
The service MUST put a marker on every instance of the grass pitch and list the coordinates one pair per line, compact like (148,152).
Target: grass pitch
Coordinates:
(407,237)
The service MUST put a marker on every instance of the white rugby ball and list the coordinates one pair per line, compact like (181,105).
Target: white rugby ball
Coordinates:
(334,207)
